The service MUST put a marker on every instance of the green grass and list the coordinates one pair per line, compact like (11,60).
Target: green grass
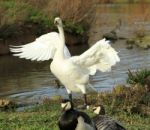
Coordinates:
(39,118)
(119,104)
(45,117)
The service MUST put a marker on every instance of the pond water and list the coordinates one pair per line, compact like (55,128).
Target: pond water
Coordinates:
(32,81)
(25,80)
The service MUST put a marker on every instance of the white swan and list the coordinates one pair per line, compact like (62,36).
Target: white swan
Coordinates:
(74,71)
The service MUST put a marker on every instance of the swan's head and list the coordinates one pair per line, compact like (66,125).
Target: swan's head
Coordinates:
(58,21)
(66,105)
(99,110)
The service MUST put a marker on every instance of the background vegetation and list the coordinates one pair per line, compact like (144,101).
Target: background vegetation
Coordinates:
(77,14)
(15,13)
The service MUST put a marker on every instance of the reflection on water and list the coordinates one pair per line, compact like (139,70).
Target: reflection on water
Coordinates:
(20,78)
(23,79)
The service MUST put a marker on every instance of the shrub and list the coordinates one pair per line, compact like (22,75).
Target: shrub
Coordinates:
(14,14)
(138,77)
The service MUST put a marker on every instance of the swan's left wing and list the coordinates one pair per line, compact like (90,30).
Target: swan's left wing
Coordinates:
(100,56)
(43,48)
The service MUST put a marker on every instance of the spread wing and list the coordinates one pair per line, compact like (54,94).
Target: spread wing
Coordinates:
(43,48)
(101,56)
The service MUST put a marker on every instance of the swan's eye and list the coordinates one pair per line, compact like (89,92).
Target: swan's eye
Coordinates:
(56,22)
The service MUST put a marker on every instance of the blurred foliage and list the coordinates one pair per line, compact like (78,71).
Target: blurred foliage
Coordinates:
(15,13)
(76,28)
(77,19)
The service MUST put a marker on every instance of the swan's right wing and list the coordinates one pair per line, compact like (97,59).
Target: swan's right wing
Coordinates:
(101,56)
(43,48)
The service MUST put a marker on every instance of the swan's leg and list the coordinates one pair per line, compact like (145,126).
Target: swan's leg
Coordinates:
(85,100)
(70,95)
(83,90)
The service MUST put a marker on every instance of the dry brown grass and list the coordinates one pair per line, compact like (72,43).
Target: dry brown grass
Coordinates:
(13,12)
(74,10)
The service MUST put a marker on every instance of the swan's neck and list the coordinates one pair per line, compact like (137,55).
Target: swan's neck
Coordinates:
(60,49)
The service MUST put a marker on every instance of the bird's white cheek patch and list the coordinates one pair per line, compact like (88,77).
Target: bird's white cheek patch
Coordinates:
(63,105)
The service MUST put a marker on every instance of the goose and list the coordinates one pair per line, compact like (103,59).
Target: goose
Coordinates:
(72,119)
(73,72)
(103,122)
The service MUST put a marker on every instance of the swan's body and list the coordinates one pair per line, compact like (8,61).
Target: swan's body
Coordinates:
(73,72)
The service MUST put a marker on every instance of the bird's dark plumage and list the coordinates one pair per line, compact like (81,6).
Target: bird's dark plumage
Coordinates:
(106,123)
(69,119)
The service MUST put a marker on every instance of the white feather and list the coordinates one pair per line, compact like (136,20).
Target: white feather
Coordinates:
(101,56)
(43,48)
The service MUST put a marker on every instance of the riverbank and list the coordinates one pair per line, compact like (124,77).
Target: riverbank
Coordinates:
(129,105)
(28,19)
(45,117)
(23,34)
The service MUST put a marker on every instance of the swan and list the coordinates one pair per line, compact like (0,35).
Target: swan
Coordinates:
(103,122)
(73,72)
(72,119)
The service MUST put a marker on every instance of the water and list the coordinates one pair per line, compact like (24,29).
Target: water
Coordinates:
(25,80)
(31,81)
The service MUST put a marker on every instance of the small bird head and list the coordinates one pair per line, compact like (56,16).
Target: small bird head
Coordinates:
(58,21)
(66,105)
(99,110)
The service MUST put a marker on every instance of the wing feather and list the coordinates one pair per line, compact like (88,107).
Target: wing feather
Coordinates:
(100,56)
(43,48)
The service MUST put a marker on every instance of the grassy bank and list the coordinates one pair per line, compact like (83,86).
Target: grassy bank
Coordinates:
(45,117)
(129,105)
